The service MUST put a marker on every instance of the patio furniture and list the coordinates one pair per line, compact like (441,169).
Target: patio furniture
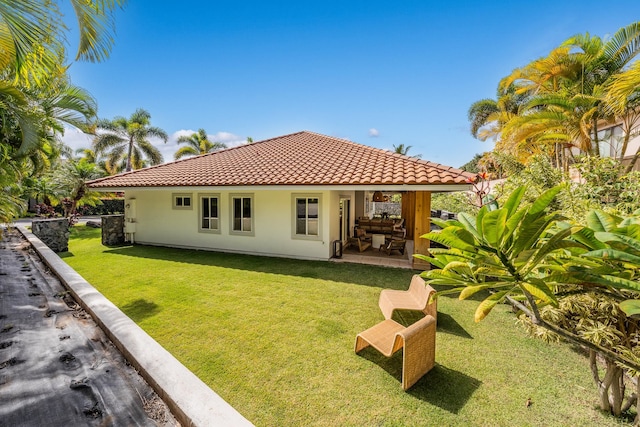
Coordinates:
(416,298)
(376,226)
(393,245)
(362,245)
(418,342)
(377,240)
(362,234)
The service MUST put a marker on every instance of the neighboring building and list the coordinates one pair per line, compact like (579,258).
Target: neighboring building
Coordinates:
(290,196)
(610,142)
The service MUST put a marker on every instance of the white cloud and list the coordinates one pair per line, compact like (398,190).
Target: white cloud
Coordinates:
(374,133)
(76,139)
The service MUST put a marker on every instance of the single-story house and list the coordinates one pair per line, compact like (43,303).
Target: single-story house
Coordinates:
(290,196)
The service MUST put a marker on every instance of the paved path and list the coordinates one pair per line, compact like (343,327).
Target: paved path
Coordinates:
(57,368)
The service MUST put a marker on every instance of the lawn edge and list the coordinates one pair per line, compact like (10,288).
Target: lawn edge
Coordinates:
(191,401)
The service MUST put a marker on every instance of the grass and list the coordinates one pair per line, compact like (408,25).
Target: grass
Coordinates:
(274,337)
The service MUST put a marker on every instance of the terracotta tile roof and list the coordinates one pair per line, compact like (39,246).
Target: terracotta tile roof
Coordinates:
(303,158)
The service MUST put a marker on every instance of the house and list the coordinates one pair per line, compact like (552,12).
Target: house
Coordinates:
(291,196)
(611,140)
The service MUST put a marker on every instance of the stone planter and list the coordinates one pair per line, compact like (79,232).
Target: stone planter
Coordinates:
(112,230)
(52,232)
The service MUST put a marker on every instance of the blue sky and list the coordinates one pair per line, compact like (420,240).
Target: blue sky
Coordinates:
(379,73)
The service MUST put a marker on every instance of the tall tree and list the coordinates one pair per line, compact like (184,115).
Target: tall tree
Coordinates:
(35,94)
(561,97)
(404,150)
(32,33)
(197,143)
(128,139)
(622,100)
(32,46)
(71,179)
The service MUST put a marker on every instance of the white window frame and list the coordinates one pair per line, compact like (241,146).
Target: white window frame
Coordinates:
(201,218)
(294,216)
(251,220)
(181,196)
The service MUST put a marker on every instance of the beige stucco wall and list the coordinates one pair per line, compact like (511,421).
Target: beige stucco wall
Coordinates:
(157,223)
(634,145)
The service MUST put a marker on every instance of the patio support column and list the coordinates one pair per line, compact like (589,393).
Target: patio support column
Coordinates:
(422,225)
(408,206)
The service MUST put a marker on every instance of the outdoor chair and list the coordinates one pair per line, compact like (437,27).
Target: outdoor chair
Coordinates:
(362,245)
(416,298)
(362,235)
(394,245)
(418,342)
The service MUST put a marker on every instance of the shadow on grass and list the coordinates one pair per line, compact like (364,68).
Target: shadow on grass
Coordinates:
(140,309)
(446,323)
(449,325)
(442,387)
(82,232)
(367,275)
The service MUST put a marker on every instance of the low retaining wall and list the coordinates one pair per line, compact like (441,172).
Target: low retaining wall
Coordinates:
(191,401)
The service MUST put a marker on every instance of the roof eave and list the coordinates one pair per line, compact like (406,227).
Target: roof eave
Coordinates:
(347,187)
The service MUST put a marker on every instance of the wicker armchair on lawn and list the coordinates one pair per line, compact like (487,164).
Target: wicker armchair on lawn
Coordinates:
(416,298)
(418,342)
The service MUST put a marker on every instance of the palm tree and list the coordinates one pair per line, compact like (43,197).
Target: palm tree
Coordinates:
(71,179)
(37,26)
(622,99)
(90,156)
(35,96)
(559,98)
(404,150)
(197,143)
(127,139)
(401,149)
(32,40)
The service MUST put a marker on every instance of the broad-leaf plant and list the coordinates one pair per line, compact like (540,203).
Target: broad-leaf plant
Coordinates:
(577,282)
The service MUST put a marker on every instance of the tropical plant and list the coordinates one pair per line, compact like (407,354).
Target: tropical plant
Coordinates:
(71,179)
(32,39)
(90,156)
(404,150)
(128,140)
(197,143)
(457,201)
(559,101)
(10,174)
(42,189)
(552,272)
(33,33)
(36,98)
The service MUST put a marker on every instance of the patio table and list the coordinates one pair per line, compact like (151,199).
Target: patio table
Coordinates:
(377,240)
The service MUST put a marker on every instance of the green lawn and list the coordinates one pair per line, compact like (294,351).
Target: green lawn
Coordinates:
(274,337)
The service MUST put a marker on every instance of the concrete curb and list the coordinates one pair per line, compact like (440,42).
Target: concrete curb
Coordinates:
(191,401)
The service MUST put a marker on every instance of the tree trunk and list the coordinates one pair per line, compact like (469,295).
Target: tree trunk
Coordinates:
(616,393)
(633,162)
(603,389)
(594,147)
(129,155)
(637,419)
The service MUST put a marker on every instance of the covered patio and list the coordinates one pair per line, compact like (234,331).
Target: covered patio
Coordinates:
(413,213)
(377,257)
